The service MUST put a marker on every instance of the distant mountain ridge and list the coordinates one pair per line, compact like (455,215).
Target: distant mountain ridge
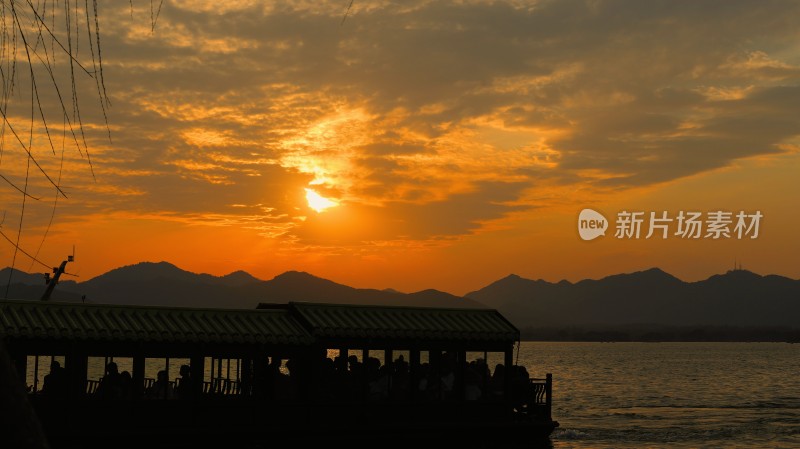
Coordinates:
(153,271)
(642,300)
(736,298)
(164,284)
(20,277)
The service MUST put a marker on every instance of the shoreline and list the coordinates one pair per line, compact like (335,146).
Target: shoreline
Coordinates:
(663,334)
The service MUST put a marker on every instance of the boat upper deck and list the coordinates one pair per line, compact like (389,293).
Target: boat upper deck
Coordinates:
(378,325)
(290,324)
(71,322)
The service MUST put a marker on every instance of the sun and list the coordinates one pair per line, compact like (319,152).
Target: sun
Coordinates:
(318,202)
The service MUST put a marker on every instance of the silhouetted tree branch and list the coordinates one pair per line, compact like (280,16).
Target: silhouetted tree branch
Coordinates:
(41,66)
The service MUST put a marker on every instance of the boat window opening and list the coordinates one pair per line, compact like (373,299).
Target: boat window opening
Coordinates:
(494,384)
(351,383)
(209,382)
(402,355)
(435,383)
(438,375)
(355,359)
(400,376)
(283,368)
(430,386)
(424,357)
(448,362)
(476,376)
(222,376)
(237,385)
(379,356)
(36,374)
(37,369)
(331,382)
(284,378)
(339,360)
(95,368)
(123,364)
(423,376)
(494,358)
(377,374)
(109,377)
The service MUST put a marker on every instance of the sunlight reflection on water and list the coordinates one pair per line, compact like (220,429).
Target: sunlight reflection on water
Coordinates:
(677,395)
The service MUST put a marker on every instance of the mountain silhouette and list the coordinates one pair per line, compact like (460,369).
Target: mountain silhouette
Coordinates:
(157,271)
(652,297)
(20,277)
(301,286)
(162,283)
(30,285)
(643,300)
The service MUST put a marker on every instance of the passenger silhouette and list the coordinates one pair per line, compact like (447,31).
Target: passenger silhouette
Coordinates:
(111,384)
(497,382)
(55,383)
(161,389)
(185,388)
(472,382)
(126,385)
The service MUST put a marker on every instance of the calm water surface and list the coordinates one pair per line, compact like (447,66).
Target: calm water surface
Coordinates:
(676,395)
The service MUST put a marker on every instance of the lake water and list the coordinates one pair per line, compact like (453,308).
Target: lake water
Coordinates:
(676,395)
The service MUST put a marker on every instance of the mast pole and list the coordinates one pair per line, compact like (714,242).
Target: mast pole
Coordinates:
(51,282)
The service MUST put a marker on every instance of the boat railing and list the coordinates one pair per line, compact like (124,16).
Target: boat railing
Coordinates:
(539,395)
(91,386)
(222,386)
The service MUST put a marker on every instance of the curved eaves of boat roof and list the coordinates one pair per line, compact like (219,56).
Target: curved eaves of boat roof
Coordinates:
(37,320)
(282,324)
(368,322)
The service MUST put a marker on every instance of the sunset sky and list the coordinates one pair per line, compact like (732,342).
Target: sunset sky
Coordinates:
(446,144)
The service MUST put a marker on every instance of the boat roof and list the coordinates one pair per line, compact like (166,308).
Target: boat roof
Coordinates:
(104,322)
(293,323)
(372,322)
